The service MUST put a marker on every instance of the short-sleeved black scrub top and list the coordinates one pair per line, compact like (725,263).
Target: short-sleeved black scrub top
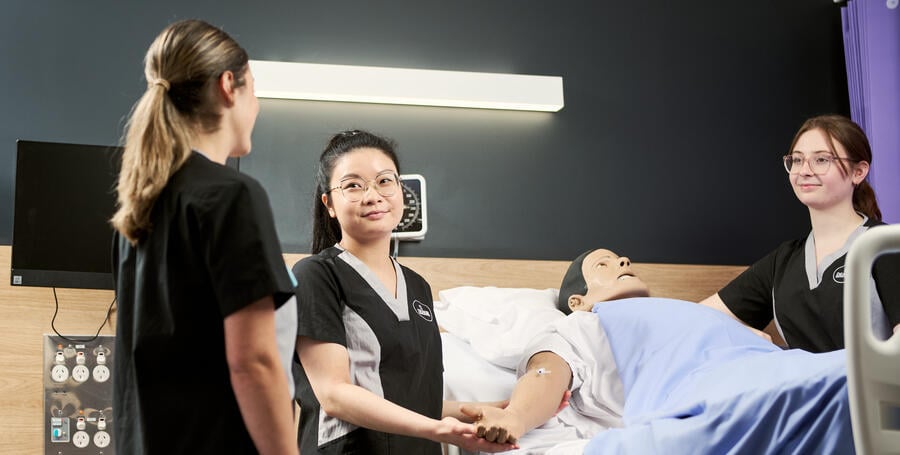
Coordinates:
(393,344)
(806,299)
(211,251)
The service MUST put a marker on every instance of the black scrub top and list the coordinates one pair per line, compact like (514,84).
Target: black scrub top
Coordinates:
(810,315)
(393,343)
(212,250)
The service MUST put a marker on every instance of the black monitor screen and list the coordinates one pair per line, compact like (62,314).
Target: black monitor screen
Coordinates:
(65,195)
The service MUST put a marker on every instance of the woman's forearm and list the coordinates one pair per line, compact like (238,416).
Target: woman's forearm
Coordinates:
(363,408)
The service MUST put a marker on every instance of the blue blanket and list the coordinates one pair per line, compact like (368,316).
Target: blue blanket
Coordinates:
(697,382)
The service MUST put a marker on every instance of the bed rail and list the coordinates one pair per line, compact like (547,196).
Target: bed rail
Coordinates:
(873,366)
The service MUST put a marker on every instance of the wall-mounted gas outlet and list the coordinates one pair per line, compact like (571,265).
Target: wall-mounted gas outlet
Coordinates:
(78,396)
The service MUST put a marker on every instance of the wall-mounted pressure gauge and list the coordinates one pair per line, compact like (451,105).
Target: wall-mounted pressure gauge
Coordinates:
(414,223)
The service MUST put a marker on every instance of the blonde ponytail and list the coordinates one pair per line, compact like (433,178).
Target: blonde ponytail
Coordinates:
(181,67)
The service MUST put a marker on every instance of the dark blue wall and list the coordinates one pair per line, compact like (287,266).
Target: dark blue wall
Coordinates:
(667,150)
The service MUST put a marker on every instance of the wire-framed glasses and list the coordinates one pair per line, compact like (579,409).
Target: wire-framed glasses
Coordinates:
(818,164)
(354,188)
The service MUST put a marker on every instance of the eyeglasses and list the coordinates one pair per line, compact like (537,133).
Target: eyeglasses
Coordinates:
(818,164)
(354,188)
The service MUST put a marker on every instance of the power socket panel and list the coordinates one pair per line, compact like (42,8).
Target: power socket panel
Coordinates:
(78,389)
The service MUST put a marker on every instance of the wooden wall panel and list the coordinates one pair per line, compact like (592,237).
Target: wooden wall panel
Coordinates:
(25,314)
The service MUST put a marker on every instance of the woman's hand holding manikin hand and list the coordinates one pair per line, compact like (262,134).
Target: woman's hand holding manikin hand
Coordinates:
(463,435)
(502,425)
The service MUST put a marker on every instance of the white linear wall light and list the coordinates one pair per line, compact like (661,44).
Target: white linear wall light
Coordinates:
(370,84)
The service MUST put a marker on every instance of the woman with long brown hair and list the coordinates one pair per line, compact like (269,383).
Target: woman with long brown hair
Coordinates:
(198,266)
(800,285)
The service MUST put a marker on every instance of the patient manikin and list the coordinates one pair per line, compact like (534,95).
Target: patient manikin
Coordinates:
(682,366)
(593,277)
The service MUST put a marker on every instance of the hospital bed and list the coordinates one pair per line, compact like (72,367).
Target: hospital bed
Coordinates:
(507,301)
(504,298)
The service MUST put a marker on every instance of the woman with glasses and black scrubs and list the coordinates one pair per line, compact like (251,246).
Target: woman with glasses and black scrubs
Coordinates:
(370,372)
(800,285)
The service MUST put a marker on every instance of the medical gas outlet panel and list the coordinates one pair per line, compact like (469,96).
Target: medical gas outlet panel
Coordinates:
(78,395)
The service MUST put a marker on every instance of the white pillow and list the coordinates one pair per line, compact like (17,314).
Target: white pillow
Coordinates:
(497,322)
(468,377)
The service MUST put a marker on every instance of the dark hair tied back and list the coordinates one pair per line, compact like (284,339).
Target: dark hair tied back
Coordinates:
(327,230)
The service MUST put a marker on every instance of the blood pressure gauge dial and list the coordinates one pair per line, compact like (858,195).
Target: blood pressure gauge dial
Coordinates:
(413,224)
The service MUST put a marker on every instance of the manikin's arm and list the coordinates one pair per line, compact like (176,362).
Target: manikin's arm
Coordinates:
(715,302)
(539,394)
(327,365)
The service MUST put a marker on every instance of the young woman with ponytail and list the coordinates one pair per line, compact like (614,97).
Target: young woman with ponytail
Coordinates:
(800,285)
(198,266)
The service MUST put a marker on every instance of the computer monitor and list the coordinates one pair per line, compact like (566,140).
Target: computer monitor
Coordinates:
(64,198)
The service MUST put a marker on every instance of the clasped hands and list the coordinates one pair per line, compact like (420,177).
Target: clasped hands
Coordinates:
(502,425)
(496,424)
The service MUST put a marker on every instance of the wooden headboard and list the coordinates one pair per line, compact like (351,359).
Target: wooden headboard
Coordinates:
(25,315)
(677,281)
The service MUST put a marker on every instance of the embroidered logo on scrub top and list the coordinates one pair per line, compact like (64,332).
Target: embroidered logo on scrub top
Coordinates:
(838,275)
(423,311)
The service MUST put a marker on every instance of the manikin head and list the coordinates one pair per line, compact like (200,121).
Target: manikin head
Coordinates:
(598,276)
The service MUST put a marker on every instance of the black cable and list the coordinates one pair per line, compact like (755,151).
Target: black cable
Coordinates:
(75,340)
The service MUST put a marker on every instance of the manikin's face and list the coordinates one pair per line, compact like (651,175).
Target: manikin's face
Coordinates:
(608,277)
(832,187)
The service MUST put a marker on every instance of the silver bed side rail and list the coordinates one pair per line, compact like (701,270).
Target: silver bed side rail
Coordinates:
(873,366)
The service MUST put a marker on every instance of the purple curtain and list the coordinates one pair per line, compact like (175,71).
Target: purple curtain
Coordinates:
(872,50)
